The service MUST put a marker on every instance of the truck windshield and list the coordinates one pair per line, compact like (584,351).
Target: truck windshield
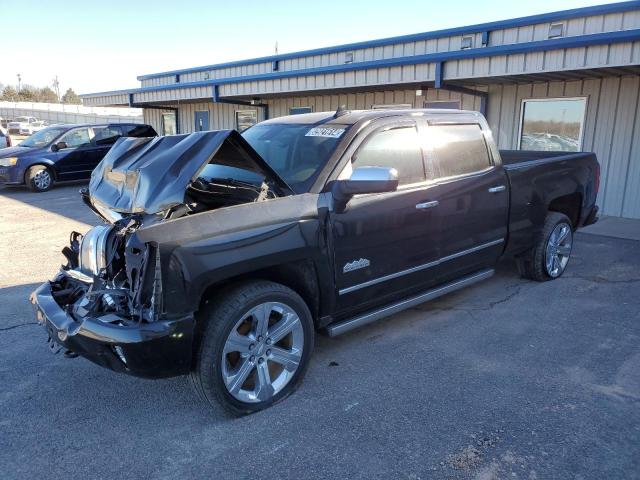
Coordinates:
(297,152)
(43,137)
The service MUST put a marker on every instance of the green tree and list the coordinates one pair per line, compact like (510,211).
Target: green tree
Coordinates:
(9,94)
(47,95)
(28,94)
(71,97)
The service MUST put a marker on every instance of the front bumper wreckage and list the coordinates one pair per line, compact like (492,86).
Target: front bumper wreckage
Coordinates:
(153,350)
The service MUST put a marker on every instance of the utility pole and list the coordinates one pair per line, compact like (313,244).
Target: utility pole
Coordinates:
(56,86)
(19,83)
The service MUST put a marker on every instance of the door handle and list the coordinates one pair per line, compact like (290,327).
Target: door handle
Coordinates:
(425,205)
(499,188)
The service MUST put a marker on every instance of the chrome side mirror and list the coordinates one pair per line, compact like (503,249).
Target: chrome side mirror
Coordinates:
(363,180)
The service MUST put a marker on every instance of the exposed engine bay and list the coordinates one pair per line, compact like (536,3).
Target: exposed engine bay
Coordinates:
(112,276)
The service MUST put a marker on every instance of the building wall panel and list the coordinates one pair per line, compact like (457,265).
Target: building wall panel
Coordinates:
(611,130)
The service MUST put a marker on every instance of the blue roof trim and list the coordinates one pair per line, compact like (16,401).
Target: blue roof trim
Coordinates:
(536,46)
(478,28)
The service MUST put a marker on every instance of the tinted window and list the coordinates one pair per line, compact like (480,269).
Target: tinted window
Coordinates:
(77,138)
(398,148)
(138,131)
(459,149)
(106,135)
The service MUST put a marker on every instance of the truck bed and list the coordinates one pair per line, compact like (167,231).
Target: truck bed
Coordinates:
(543,181)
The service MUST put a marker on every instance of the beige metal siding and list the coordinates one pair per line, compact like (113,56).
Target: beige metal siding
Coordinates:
(595,56)
(221,115)
(612,131)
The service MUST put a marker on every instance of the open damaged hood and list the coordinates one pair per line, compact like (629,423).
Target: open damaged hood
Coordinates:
(150,175)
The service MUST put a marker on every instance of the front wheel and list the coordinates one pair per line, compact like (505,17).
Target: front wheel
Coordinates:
(39,178)
(255,347)
(550,255)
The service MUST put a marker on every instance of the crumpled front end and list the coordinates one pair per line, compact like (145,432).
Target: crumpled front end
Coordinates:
(106,305)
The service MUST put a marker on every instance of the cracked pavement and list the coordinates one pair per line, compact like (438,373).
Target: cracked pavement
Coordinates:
(507,379)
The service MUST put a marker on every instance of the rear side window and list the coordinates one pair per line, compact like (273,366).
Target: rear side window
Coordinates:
(397,148)
(458,149)
(106,135)
(138,131)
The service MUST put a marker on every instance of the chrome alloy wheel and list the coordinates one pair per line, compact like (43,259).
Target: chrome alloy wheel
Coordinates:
(42,179)
(262,352)
(558,250)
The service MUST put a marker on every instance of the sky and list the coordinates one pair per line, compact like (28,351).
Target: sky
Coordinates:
(95,46)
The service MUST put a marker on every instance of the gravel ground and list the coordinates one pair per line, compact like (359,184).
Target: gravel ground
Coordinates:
(507,379)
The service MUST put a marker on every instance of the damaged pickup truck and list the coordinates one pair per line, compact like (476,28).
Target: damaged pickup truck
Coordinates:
(222,254)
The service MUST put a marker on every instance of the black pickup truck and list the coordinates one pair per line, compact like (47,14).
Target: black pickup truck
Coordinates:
(221,255)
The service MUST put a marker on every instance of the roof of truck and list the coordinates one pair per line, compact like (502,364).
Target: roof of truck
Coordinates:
(350,117)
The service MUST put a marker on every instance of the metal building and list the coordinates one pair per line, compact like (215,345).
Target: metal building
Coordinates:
(566,80)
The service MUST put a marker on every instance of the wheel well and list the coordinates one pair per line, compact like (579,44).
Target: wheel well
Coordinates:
(570,205)
(48,167)
(301,277)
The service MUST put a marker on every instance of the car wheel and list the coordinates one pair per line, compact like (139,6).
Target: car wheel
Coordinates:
(550,255)
(39,178)
(255,347)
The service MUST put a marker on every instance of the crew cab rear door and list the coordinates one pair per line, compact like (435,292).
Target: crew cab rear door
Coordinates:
(471,195)
(384,243)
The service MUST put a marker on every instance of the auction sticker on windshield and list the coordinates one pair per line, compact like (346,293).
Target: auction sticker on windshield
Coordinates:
(325,132)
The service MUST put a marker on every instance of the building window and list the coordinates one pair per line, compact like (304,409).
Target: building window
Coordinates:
(397,106)
(169,124)
(448,104)
(552,124)
(299,110)
(246,119)
(467,42)
(275,65)
(348,57)
(556,30)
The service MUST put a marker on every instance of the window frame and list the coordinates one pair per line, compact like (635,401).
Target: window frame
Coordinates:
(310,107)
(429,103)
(435,163)
(583,121)
(175,122)
(235,114)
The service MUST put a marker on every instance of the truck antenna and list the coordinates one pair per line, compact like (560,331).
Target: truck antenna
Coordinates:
(342,110)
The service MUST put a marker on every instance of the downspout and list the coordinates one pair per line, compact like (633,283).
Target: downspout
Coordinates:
(155,107)
(217,99)
(440,84)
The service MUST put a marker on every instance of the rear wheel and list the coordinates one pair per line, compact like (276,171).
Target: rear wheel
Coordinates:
(255,348)
(39,178)
(550,255)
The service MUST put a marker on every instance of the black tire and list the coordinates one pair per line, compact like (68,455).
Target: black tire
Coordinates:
(39,178)
(218,320)
(532,265)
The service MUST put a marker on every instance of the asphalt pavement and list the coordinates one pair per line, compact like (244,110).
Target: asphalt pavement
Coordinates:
(507,379)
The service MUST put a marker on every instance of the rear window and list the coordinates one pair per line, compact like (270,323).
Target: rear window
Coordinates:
(458,149)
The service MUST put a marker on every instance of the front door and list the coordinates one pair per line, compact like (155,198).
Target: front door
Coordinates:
(384,244)
(472,198)
(74,160)
(201,121)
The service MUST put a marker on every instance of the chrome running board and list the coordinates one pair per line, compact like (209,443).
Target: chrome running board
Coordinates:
(344,326)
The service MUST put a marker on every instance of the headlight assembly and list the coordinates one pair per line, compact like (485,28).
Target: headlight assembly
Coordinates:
(8,162)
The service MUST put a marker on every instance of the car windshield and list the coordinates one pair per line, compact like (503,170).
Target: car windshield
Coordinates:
(43,138)
(297,152)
